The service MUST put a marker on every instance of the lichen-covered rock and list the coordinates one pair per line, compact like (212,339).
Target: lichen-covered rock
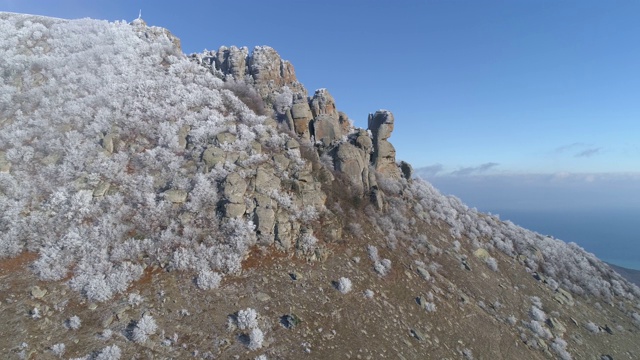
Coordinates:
(176,196)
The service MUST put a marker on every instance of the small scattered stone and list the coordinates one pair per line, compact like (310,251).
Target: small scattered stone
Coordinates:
(262,297)
(38,293)
(424,273)
(418,334)
(295,275)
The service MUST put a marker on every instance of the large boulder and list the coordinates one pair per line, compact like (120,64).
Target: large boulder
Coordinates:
(354,163)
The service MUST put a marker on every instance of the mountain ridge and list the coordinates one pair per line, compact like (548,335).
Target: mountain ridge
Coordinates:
(132,173)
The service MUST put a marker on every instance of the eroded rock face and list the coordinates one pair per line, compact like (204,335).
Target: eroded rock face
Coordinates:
(301,116)
(353,162)
(314,119)
(267,71)
(323,103)
(232,60)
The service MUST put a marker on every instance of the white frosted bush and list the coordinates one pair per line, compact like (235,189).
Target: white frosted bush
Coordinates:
(109,353)
(208,279)
(539,330)
(344,285)
(256,337)
(247,319)
(58,349)
(430,307)
(73,322)
(135,299)
(373,253)
(144,327)
(492,263)
(382,267)
(537,314)
(592,327)
(307,242)
(559,346)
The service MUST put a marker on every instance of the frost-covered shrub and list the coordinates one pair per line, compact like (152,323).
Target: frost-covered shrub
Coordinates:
(538,329)
(105,335)
(592,327)
(456,245)
(537,314)
(536,301)
(208,280)
(344,285)
(73,322)
(559,346)
(368,294)
(247,319)
(135,299)
(491,263)
(247,94)
(355,229)
(111,352)
(256,337)
(565,265)
(307,243)
(373,253)
(58,349)
(382,267)
(144,327)
(430,307)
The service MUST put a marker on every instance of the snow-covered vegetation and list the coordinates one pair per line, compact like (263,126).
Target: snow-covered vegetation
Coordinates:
(104,126)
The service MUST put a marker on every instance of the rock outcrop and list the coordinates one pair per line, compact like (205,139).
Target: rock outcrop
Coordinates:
(315,120)
(384,154)
(263,68)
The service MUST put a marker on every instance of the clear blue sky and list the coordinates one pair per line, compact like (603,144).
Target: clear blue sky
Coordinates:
(522,86)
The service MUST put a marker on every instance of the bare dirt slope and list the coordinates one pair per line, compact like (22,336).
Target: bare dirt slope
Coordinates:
(477,313)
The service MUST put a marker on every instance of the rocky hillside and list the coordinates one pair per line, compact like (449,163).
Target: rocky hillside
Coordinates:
(158,205)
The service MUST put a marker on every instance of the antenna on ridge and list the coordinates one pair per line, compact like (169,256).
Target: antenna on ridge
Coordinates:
(140,14)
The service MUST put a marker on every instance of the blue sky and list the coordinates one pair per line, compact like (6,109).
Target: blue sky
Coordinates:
(529,85)
(477,88)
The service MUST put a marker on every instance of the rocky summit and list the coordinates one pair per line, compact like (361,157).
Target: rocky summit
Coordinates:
(157,205)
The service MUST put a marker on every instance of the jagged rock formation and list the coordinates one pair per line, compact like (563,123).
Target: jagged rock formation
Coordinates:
(314,118)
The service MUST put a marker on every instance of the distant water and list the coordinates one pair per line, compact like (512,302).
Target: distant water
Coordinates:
(612,235)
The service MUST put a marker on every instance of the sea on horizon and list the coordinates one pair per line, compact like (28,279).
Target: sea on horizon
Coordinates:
(611,235)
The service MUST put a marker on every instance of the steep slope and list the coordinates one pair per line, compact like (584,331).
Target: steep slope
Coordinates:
(207,207)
